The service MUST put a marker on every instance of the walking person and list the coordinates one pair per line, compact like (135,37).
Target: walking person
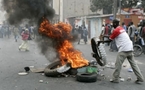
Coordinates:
(79,34)
(125,51)
(131,31)
(85,35)
(124,26)
(25,36)
(102,32)
(16,33)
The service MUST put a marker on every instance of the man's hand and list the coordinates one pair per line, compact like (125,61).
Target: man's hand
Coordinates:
(107,41)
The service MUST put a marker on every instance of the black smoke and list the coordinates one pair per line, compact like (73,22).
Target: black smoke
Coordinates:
(33,10)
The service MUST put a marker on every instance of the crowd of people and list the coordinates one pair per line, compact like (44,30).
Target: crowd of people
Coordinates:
(82,33)
(124,40)
(27,32)
(136,33)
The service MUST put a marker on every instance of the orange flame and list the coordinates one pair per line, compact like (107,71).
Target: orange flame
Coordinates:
(61,33)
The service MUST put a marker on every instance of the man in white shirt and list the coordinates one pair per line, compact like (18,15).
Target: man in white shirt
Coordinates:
(125,51)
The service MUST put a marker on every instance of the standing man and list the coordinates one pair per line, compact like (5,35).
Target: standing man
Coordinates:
(131,31)
(125,50)
(85,34)
(16,33)
(124,26)
(102,32)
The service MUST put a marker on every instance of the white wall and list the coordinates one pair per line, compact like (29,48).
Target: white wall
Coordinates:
(2,13)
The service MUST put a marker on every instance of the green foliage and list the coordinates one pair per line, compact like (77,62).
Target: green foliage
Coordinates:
(107,5)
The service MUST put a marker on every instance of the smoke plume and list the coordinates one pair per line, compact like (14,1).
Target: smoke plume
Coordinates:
(31,11)
(34,10)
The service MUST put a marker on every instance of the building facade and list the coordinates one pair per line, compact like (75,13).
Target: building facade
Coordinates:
(73,8)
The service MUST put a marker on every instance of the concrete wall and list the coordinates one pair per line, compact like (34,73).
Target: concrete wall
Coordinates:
(74,8)
(56,6)
(95,28)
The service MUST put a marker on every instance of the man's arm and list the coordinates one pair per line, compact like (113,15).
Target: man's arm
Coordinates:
(106,41)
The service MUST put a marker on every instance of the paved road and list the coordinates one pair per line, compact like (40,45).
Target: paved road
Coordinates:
(13,61)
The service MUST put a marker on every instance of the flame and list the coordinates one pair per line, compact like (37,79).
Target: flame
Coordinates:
(61,33)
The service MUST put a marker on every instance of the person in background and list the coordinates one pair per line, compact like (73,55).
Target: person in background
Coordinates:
(16,33)
(106,34)
(25,35)
(131,31)
(102,32)
(125,51)
(85,34)
(79,34)
(124,26)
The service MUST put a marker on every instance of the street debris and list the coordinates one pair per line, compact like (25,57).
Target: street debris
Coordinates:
(130,70)
(102,75)
(122,80)
(22,73)
(129,79)
(31,66)
(37,70)
(41,81)
(27,69)
(42,74)
(110,65)
(124,65)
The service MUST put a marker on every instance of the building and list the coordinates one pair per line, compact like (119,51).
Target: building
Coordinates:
(72,8)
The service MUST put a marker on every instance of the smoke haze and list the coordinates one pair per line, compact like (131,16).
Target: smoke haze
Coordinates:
(17,10)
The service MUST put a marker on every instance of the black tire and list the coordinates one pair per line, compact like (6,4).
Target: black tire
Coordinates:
(51,69)
(137,50)
(100,54)
(86,77)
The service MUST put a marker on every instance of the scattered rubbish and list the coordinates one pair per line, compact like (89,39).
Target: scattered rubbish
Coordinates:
(102,75)
(111,80)
(124,65)
(107,66)
(122,80)
(46,64)
(129,79)
(31,66)
(37,70)
(130,70)
(42,74)
(27,69)
(112,67)
(41,81)
(22,73)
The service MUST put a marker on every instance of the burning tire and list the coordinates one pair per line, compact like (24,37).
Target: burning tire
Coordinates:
(51,69)
(86,77)
(99,52)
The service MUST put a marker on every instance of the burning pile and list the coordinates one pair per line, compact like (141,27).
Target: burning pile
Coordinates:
(61,33)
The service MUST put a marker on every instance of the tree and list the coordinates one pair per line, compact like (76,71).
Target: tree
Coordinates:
(107,5)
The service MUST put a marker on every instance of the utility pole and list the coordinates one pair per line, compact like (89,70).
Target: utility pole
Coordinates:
(115,9)
(61,10)
(120,7)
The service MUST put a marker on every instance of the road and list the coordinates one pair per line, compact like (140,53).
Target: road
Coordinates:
(12,61)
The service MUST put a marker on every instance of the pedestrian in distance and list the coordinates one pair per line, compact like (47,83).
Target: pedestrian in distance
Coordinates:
(25,36)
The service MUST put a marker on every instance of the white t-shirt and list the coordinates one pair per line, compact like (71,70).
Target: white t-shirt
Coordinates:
(103,29)
(122,39)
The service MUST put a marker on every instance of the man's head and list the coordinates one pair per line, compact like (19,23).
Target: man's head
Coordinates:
(131,23)
(123,23)
(115,23)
